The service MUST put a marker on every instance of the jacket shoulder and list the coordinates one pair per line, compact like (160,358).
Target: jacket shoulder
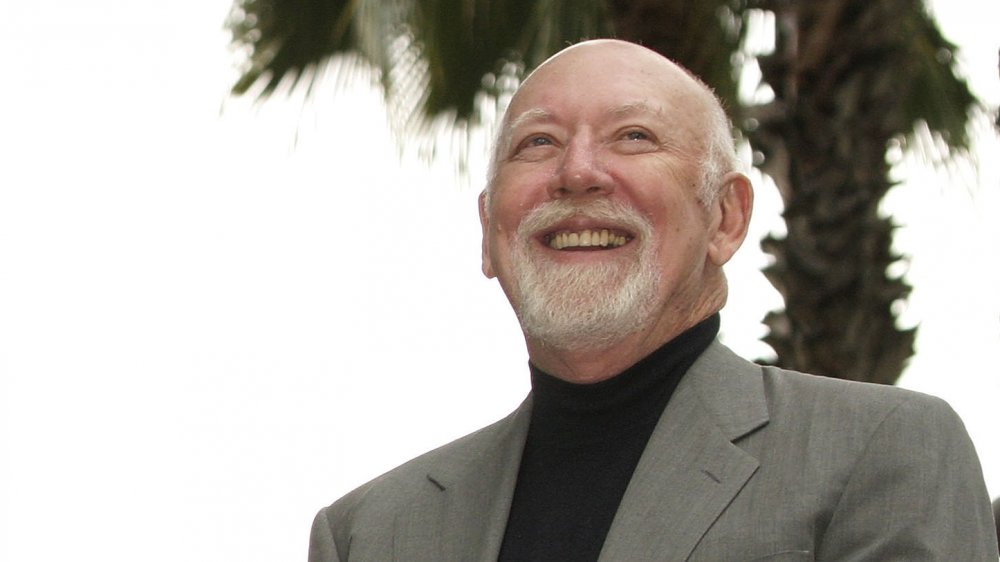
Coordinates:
(371,508)
(863,403)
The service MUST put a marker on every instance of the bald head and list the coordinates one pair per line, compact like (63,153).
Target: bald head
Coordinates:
(615,54)
(690,106)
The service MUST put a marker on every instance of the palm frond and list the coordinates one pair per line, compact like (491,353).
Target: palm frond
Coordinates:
(281,39)
(438,50)
(937,95)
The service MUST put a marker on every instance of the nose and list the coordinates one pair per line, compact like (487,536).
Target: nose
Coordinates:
(581,172)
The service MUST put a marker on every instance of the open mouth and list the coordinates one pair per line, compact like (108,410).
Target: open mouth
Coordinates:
(586,239)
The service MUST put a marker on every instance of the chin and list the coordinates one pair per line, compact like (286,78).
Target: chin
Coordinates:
(577,310)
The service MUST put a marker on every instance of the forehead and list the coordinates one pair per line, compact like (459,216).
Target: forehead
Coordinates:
(607,80)
(629,109)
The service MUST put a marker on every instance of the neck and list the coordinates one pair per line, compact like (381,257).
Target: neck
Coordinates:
(587,366)
(591,365)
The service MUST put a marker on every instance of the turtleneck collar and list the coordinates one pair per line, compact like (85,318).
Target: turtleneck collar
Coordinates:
(634,397)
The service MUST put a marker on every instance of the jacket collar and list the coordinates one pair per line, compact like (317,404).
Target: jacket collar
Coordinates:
(688,474)
(463,512)
(691,470)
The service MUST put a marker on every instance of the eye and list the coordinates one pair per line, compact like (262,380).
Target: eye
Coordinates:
(537,140)
(636,136)
(635,140)
(533,147)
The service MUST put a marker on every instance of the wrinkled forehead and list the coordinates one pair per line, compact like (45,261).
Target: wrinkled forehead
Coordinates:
(613,79)
(619,78)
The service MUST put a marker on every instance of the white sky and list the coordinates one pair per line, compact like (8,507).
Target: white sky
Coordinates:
(209,330)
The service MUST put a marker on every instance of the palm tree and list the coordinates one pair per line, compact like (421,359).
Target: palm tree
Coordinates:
(447,47)
(849,77)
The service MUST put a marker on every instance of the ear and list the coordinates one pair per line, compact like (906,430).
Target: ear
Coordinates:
(730,218)
(484,220)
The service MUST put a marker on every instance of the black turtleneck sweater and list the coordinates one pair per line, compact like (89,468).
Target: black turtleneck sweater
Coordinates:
(584,441)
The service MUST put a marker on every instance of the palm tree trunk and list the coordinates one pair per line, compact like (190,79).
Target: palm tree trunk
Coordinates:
(835,76)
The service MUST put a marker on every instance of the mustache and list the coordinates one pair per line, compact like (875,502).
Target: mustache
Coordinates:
(550,213)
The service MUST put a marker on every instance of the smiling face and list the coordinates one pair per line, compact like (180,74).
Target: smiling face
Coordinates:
(593,222)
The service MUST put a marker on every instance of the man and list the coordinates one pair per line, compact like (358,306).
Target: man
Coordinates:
(614,199)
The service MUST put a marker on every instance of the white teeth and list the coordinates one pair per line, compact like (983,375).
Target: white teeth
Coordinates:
(586,238)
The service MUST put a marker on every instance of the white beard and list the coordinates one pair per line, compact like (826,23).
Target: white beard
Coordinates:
(577,306)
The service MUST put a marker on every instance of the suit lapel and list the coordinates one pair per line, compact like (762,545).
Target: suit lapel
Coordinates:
(690,470)
(463,511)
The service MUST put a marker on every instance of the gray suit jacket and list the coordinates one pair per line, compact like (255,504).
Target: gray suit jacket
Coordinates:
(746,463)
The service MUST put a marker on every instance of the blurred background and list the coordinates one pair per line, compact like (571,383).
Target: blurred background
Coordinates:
(218,315)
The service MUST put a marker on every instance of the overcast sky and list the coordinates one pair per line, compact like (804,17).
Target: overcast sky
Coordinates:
(216,317)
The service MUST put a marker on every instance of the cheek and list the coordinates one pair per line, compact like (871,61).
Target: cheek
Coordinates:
(661,194)
(504,220)
(683,234)
(509,208)
(523,184)
(506,217)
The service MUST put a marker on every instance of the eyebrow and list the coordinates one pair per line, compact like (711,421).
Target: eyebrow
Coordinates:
(506,136)
(538,115)
(633,108)
(529,116)
(623,110)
